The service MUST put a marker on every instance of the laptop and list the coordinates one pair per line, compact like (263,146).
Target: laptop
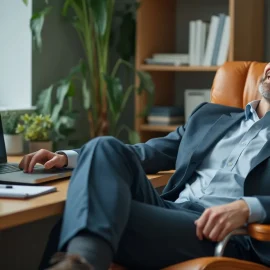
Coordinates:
(10,172)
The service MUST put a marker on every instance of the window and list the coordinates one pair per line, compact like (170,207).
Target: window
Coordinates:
(15,55)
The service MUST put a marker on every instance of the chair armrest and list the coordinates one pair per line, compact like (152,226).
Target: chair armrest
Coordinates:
(259,231)
(160,179)
(220,247)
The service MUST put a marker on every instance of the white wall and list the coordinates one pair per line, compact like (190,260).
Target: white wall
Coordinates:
(15,54)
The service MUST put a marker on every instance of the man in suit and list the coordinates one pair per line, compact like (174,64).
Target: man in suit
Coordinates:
(221,183)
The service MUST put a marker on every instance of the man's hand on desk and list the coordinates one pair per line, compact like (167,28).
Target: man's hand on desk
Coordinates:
(45,157)
(218,221)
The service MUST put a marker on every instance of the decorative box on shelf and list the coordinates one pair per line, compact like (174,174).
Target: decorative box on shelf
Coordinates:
(166,115)
(170,59)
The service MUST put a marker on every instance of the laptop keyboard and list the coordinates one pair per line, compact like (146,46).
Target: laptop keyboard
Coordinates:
(8,168)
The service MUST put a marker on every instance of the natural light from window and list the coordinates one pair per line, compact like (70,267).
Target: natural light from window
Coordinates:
(15,55)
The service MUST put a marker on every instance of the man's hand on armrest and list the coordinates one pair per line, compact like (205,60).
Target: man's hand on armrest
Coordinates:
(45,157)
(218,221)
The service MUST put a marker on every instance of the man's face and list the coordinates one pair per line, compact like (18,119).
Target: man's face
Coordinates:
(264,86)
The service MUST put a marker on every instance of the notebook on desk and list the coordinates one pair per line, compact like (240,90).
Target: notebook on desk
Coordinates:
(23,192)
(10,172)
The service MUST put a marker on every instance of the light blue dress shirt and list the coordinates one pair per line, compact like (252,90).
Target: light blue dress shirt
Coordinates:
(220,178)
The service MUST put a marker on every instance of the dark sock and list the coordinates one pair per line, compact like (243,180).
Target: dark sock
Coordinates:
(94,249)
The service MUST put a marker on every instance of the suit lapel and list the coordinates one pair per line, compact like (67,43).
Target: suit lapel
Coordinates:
(209,134)
(263,154)
(213,134)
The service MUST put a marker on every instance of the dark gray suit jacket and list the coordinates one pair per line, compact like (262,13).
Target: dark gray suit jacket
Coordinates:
(185,148)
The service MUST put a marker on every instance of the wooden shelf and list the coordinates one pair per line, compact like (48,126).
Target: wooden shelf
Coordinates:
(163,27)
(146,127)
(178,68)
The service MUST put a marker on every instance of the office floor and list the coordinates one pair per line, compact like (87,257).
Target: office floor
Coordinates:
(22,247)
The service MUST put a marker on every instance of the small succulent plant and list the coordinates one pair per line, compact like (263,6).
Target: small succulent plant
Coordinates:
(35,127)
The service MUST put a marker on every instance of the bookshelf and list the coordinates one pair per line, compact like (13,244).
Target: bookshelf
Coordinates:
(146,127)
(176,68)
(162,27)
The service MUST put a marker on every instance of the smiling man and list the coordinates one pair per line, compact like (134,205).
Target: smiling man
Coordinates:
(114,214)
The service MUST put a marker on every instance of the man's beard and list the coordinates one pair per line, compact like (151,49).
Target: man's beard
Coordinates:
(264,88)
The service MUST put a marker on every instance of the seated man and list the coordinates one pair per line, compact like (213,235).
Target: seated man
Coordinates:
(113,213)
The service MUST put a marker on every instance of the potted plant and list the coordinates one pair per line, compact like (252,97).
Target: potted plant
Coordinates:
(104,97)
(13,141)
(36,129)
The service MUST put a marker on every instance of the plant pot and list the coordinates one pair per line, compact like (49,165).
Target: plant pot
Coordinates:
(14,144)
(35,146)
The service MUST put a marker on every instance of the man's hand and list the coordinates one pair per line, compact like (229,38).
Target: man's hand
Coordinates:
(45,157)
(218,221)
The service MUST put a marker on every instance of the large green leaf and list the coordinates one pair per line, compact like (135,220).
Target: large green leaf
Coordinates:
(114,94)
(76,5)
(44,102)
(147,85)
(146,82)
(64,125)
(126,96)
(66,6)
(99,9)
(78,26)
(86,95)
(79,69)
(133,136)
(56,112)
(36,25)
(62,93)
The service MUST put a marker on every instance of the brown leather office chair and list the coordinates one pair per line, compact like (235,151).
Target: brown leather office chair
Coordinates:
(235,84)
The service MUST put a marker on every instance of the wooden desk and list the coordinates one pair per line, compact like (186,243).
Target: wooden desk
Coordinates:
(14,212)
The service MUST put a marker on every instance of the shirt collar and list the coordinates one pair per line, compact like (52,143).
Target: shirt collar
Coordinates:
(250,110)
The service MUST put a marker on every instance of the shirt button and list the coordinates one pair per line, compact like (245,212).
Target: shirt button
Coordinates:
(244,143)
(230,163)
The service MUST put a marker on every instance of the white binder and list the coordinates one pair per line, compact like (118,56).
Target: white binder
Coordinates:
(194,97)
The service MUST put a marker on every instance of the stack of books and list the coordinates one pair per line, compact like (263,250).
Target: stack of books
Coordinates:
(172,59)
(209,43)
(166,115)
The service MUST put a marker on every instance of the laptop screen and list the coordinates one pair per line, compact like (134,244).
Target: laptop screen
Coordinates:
(3,155)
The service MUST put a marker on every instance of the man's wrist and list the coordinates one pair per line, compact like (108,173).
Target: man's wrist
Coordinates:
(244,208)
(65,158)
(256,210)
(72,157)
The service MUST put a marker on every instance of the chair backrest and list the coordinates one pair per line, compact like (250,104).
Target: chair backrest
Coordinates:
(236,83)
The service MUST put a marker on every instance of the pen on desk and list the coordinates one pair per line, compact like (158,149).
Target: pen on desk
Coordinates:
(8,186)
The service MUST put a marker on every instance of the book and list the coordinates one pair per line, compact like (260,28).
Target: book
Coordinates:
(197,42)
(211,40)
(200,42)
(204,32)
(166,111)
(194,97)
(165,120)
(174,59)
(24,192)
(221,23)
(192,42)
(224,44)
(151,61)
(182,59)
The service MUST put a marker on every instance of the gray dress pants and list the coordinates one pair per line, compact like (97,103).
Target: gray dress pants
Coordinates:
(110,196)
